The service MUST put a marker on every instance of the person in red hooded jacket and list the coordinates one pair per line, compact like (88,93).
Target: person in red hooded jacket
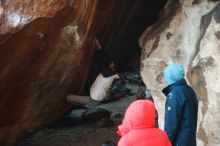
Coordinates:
(138,126)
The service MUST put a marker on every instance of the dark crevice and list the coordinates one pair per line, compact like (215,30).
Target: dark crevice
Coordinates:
(123,43)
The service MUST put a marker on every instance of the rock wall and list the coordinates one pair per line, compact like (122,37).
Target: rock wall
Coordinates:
(42,49)
(187,32)
(45,53)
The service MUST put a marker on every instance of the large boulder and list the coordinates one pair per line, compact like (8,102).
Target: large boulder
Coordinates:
(42,49)
(187,32)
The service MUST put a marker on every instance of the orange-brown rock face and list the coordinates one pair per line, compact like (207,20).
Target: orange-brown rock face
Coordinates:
(45,51)
(42,59)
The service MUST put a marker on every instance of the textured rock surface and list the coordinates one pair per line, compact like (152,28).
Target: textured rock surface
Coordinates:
(187,33)
(42,52)
(45,51)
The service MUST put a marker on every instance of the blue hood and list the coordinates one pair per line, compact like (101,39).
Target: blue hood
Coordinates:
(173,73)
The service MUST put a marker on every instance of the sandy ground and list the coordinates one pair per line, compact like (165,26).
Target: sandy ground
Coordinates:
(72,136)
(90,134)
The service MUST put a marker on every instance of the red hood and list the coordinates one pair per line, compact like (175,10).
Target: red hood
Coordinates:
(140,114)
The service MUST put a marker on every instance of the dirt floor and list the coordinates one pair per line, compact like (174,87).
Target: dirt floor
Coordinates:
(87,134)
(71,136)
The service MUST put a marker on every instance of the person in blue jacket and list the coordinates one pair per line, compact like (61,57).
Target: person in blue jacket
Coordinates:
(181,107)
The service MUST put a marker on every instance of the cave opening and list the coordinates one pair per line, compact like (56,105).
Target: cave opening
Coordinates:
(119,35)
(124,45)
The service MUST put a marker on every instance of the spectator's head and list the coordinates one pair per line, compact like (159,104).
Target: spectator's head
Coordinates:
(140,114)
(173,73)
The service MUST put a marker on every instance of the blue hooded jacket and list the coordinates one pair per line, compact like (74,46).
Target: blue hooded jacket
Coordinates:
(181,108)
